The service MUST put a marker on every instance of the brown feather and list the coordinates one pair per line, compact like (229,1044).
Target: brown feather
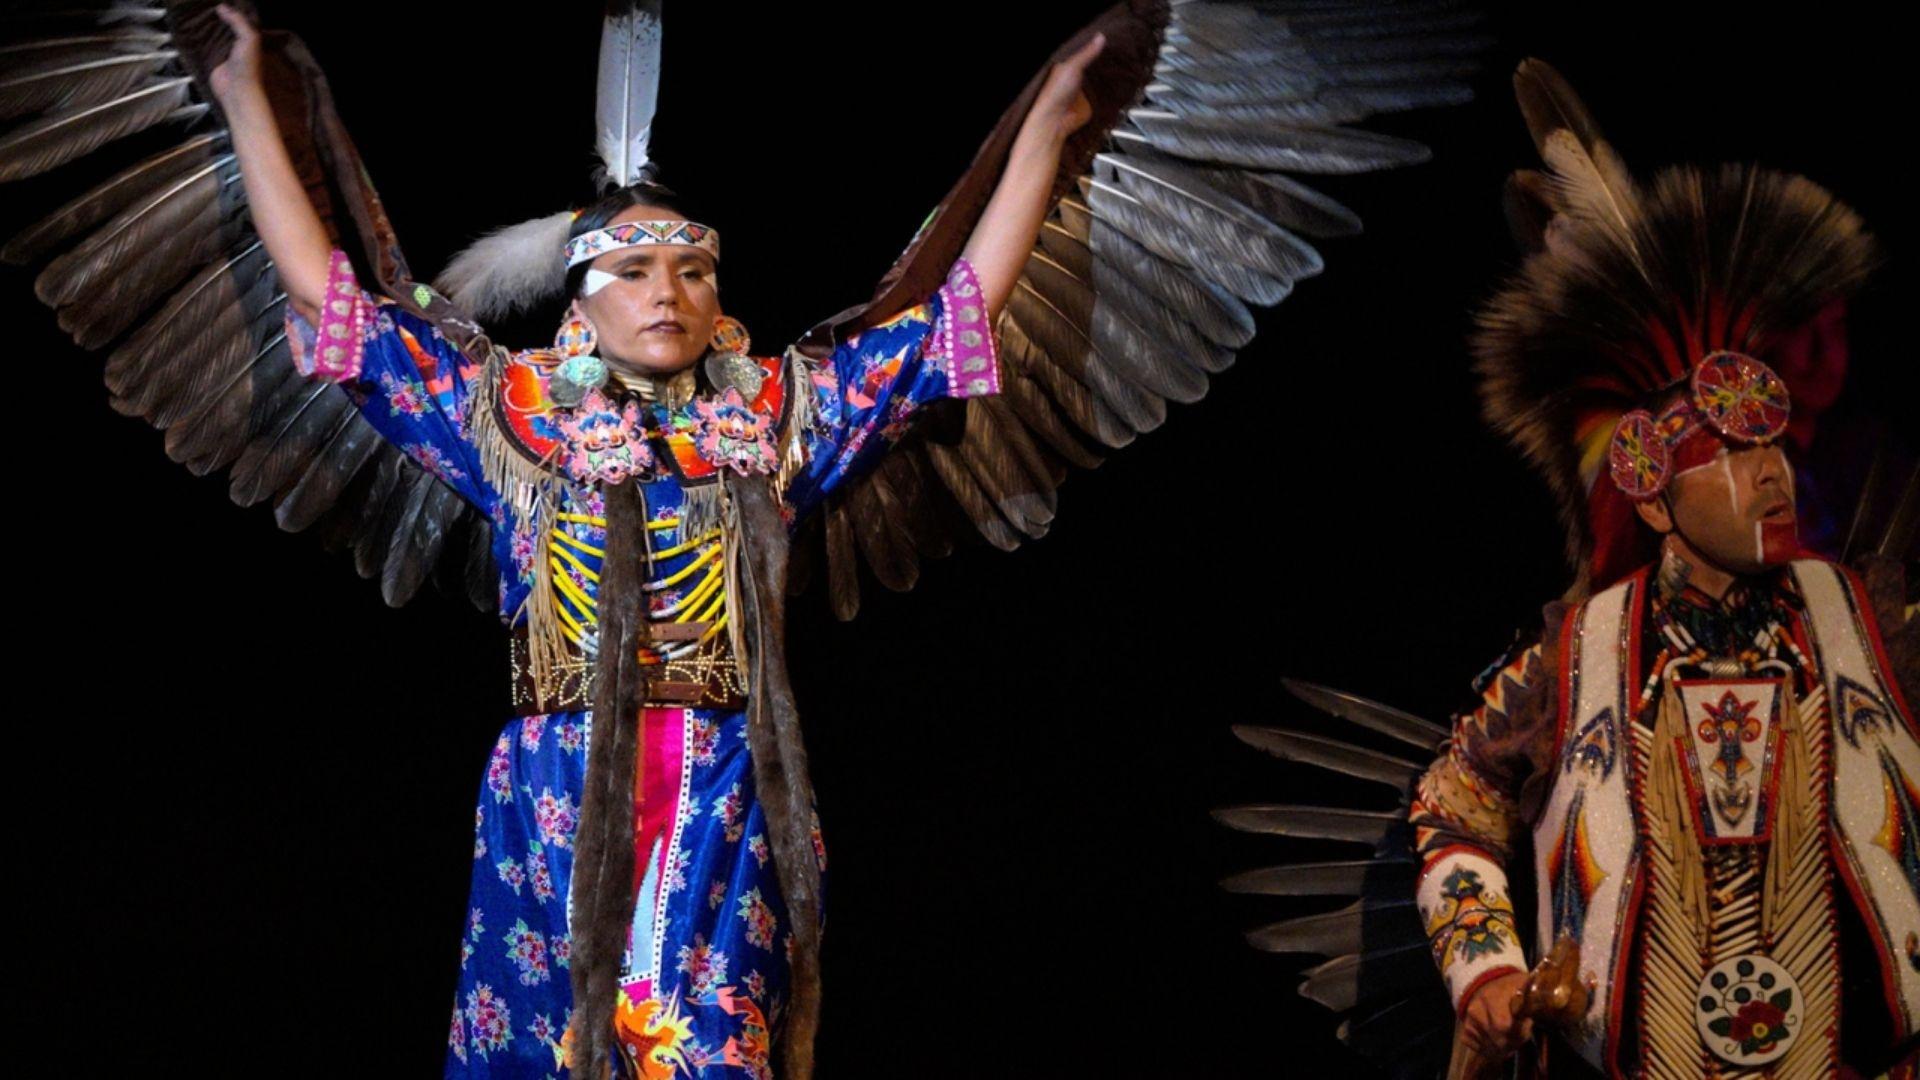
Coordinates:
(51,141)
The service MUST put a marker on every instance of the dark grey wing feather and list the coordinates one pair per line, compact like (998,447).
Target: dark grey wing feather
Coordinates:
(159,265)
(1376,964)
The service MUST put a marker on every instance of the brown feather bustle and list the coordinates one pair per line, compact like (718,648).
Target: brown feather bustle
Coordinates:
(1630,285)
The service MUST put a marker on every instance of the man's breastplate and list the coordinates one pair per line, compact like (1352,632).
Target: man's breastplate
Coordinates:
(1702,833)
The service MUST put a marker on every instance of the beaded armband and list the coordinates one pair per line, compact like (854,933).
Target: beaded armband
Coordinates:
(964,338)
(1469,920)
(335,348)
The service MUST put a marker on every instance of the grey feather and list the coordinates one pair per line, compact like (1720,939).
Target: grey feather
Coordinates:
(1361,924)
(1347,982)
(1354,877)
(1331,754)
(1300,149)
(1314,822)
(1372,715)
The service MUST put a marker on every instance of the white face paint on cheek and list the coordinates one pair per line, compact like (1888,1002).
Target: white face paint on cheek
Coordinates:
(1726,470)
(597,280)
(1759,544)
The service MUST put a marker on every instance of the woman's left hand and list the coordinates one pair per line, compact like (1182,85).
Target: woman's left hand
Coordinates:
(1061,108)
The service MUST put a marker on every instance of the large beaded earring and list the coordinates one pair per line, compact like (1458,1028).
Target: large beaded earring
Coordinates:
(728,365)
(581,371)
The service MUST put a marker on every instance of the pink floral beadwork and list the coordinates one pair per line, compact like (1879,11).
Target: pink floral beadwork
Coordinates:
(729,434)
(605,442)
(340,339)
(965,338)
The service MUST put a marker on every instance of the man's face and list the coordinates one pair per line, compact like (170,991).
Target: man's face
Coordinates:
(1736,507)
(658,315)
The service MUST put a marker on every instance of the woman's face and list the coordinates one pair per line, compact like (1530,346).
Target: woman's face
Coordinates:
(657,315)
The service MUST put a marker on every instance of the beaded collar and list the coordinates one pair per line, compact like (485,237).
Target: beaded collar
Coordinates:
(1730,624)
(616,433)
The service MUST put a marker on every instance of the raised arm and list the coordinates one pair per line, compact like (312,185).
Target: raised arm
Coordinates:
(284,217)
(409,382)
(1003,238)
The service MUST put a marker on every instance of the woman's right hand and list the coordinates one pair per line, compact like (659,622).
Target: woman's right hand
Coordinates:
(240,71)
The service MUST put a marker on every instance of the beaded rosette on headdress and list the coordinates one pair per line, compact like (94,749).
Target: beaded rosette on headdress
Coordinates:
(1730,394)
(1695,277)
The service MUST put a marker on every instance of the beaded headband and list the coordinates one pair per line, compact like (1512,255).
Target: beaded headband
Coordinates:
(1730,394)
(592,245)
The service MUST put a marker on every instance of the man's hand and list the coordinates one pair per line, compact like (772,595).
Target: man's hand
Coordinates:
(1488,1024)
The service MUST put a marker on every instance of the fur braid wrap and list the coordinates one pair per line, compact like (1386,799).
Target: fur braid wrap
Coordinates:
(602,890)
(779,755)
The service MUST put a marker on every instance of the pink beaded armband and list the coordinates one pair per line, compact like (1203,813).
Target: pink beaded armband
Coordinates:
(964,338)
(336,348)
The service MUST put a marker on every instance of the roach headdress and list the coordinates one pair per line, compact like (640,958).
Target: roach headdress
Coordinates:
(1625,294)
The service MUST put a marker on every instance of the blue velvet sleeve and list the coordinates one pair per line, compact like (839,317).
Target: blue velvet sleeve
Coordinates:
(409,382)
(867,394)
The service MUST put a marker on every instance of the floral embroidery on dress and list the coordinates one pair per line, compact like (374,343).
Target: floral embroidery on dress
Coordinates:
(705,966)
(728,806)
(759,919)
(539,873)
(405,397)
(489,1024)
(434,460)
(556,818)
(512,873)
(457,1037)
(530,731)
(706,735)
(527,948)
(499,771)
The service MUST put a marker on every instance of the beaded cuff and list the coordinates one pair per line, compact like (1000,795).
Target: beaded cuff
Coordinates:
(1469,920)
(965,340)
(335,350)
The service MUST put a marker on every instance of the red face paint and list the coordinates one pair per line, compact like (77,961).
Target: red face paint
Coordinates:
(1779,541)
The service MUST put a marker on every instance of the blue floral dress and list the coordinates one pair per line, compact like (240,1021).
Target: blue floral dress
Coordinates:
(705,977)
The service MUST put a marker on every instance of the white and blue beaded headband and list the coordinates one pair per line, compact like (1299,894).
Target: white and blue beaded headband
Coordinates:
(591,245)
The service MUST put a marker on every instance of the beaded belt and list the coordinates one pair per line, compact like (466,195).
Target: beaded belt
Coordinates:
(705,680)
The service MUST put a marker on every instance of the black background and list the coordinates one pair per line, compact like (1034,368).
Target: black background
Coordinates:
(245,786)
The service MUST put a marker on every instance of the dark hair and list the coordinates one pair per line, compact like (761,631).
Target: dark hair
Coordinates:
(645,191)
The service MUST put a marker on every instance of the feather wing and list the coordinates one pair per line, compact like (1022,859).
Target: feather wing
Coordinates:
(1375,965)
(1174,212)
(159,265)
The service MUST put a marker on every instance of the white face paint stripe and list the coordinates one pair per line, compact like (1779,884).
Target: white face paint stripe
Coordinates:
(1759,543)
(1733,495)
(597,280)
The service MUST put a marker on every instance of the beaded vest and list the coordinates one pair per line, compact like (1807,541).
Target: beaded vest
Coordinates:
(1709,809)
